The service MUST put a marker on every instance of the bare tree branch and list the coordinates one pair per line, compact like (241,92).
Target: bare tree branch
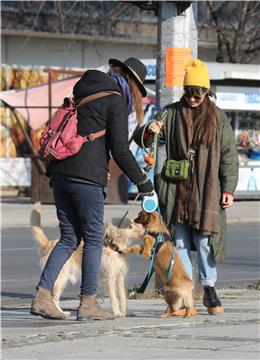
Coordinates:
(236,27)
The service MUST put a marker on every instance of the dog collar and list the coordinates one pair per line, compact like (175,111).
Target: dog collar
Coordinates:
(113,247)
(154,234)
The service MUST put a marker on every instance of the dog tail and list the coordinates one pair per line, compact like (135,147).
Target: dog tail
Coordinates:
(37,231)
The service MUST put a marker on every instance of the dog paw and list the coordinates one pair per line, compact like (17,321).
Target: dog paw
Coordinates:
(66,313)
(119,315)
(191,312)
(179,312)
(146,254)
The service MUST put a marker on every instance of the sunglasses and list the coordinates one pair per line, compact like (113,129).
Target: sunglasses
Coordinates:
(196,97)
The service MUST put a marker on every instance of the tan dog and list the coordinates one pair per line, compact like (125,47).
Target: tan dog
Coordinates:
(178,290)
(113,261)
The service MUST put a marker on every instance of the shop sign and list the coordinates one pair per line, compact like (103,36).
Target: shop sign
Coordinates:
(150,65)
(238,98)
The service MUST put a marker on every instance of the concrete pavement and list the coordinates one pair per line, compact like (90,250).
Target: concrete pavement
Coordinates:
(142,334)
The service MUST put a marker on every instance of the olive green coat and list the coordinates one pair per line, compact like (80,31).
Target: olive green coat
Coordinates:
(228,171)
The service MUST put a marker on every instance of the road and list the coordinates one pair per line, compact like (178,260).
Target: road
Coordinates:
(20,263)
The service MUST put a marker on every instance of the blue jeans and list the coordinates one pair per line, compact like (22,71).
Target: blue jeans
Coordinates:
(80,211)
(184,235)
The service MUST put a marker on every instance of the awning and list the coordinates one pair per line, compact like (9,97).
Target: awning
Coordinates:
(38,96)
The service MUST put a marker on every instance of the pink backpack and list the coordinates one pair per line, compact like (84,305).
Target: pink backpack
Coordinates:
(60,139)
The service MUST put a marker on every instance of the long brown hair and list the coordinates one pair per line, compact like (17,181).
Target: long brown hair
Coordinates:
(205,122)
(135,92)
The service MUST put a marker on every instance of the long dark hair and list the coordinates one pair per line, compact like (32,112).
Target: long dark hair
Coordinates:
(135,92)
(205,122)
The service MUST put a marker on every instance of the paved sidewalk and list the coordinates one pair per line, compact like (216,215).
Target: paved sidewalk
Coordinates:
(144,335)
(15,212)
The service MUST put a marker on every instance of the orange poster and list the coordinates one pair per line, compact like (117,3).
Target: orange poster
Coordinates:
(176,61)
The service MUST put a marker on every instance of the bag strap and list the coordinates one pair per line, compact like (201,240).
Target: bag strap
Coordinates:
(94,136)
(100,94)
(95,96)
(170,123)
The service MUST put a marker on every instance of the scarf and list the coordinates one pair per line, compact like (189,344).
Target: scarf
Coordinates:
(122,83)
(197,199)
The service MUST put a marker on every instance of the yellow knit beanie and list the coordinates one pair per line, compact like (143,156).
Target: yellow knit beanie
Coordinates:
(196,74)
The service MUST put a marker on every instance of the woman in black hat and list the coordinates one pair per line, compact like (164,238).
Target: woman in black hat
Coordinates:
(78,182)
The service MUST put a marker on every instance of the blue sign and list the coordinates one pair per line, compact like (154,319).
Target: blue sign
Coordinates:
(151,70)
(252,97)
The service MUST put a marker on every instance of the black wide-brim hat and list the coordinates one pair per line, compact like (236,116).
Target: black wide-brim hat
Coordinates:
(135,68)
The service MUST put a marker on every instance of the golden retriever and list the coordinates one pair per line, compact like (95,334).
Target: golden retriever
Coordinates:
(113,261)
(178,288)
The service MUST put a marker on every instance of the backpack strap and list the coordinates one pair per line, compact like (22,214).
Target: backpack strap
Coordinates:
(94,136)
(100,94)
(95,96)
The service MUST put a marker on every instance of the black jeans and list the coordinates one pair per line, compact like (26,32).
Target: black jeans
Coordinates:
(80,211)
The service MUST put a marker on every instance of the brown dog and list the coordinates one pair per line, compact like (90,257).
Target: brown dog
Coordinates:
(178,288)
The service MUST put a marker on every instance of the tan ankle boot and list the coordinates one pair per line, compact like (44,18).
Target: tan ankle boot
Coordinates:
(43,304)
(89,309)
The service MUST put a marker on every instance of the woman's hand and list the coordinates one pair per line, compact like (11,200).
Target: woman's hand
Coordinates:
(227,200)
(155,127)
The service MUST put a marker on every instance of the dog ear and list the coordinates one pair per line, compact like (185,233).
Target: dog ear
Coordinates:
(145,217)
(109,231)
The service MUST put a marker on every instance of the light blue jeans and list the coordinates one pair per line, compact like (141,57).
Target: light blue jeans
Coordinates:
(206,264)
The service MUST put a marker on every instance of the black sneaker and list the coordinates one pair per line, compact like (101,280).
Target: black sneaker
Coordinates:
(211,301)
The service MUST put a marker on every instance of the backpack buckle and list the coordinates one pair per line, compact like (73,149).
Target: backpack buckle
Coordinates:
(90,137)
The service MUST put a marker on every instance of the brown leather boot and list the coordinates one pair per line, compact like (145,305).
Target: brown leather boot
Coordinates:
(43,304)
(89,309)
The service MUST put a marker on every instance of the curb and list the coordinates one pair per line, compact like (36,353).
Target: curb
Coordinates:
(55,224)
(243,220)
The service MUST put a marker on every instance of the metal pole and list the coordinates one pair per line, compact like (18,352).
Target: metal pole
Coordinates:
(50,92)
(175,32)
(177,38)
(38,161)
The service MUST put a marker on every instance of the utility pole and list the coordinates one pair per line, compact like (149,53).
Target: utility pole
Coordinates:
(177,40)
(176,45)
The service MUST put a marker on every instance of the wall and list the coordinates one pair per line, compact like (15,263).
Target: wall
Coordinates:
(67,53)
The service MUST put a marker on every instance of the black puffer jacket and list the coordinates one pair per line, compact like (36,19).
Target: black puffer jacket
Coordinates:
(110,113)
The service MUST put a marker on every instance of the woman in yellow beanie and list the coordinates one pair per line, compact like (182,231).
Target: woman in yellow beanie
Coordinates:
(195,183)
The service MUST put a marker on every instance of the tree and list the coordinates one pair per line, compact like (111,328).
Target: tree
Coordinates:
(235,26)
(93,18)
